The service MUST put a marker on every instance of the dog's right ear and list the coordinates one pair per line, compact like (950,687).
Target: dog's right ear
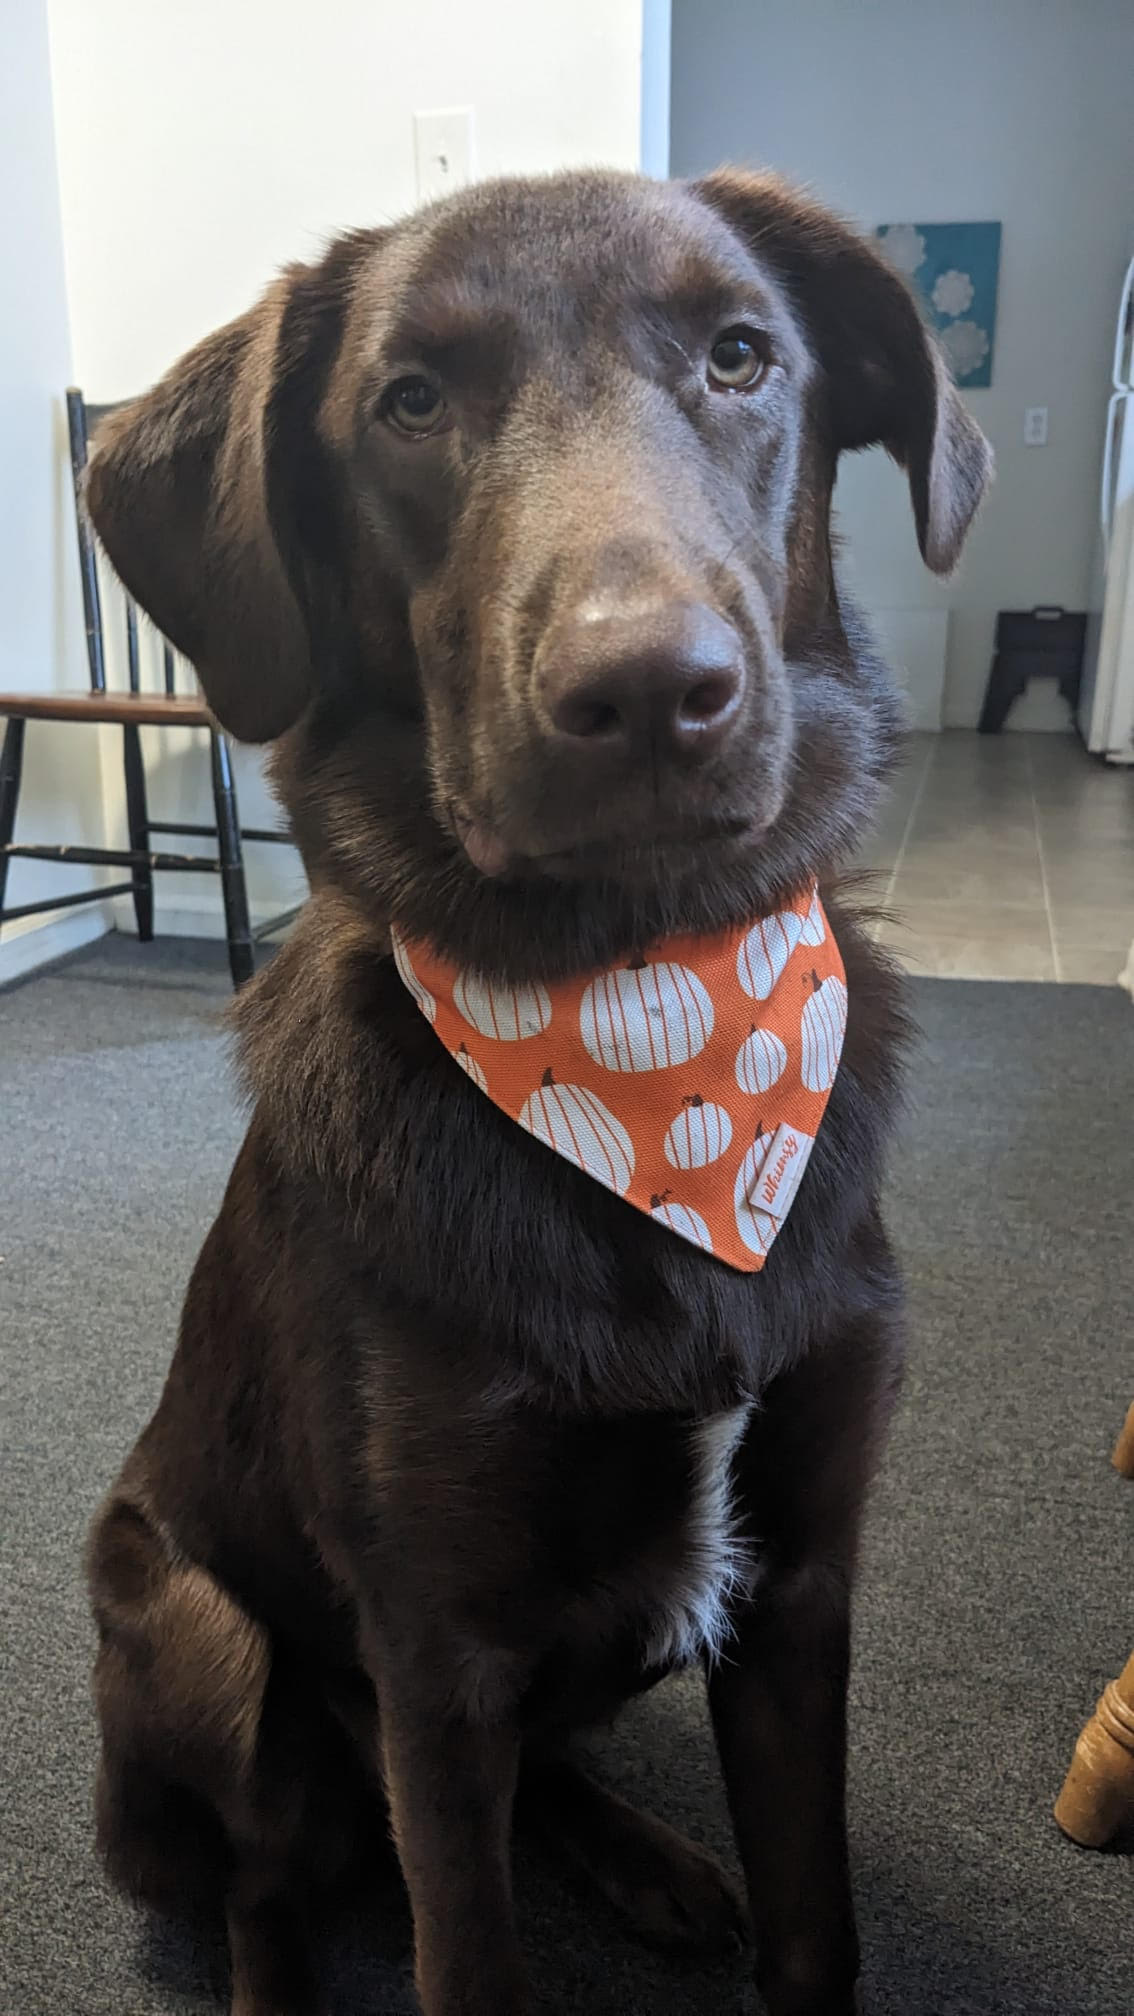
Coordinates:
(177,492)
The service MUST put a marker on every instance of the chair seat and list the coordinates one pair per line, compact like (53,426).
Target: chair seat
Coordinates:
(157,710)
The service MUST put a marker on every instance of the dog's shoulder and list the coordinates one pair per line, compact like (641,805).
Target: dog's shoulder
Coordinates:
(881,1029)
(313,1042)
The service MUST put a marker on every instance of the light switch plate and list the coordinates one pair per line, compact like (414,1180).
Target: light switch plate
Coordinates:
(443,149)
(1035,426)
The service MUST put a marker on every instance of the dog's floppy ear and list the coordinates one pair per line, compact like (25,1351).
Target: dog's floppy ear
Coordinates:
(884,377)
(177,492)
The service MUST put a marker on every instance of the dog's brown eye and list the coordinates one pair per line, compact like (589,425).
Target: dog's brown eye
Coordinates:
(737,360)
(414,405)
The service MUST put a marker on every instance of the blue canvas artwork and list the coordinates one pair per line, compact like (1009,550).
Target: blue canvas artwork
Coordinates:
(955,268)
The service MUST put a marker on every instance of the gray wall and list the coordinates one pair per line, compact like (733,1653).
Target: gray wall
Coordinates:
(895,111)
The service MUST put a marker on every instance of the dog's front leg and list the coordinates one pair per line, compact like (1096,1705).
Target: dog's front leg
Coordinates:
(451,1780)
(779,1693)
(779,1710)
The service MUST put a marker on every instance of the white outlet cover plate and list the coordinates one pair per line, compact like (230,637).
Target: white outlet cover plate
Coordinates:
(443,151)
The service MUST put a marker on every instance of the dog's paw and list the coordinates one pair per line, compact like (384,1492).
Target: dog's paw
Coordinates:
(245,2004)
(836,2002)
(673,1894)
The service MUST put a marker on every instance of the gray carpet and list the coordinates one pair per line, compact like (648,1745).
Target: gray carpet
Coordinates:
(997,1592)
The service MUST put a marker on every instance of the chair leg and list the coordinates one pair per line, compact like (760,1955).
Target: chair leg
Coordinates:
(11,765)
(1123,1458)
(138,822)
(237,926)
(1097,1800)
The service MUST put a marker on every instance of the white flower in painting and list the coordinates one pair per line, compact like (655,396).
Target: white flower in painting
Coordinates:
(965,345)
(904,246)
(953,293)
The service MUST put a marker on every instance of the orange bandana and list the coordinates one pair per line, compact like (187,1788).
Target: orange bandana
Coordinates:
(691,1082)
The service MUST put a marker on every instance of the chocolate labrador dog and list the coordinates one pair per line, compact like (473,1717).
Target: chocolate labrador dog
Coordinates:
(510,522)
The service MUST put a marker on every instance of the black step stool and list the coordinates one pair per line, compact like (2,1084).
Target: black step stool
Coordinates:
(1043,643)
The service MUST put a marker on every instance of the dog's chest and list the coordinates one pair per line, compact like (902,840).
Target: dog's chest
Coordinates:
(688,1605)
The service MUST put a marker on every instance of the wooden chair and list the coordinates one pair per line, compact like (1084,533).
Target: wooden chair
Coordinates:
(1097,1801)
(132,710)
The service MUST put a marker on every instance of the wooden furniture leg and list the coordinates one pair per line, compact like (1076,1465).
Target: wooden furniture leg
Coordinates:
(1123,1458)
(1097,1800)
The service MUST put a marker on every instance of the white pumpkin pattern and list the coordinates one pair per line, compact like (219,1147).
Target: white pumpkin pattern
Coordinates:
(509,1014)
(700,1134)
(421,995)
(573,1120)
(761,1062)
(723,1197)
(765,951)
(682,1219)
(822,1030)
(645,1017)
(755,1227)
(470,1067)
(814,930)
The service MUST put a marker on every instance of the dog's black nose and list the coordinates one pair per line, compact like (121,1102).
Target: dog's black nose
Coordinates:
(667,679)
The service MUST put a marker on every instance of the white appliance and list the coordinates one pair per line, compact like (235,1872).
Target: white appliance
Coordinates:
(1106,697)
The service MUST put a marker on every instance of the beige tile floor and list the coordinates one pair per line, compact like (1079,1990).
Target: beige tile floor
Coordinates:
(1007,857)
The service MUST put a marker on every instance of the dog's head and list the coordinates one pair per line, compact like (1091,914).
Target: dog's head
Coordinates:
(512,520)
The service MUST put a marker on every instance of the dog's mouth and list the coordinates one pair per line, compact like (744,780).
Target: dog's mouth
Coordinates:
(490,855)
(611,855)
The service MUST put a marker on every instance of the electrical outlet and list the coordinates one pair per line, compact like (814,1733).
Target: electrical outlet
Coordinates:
(1035,426)
(443,147)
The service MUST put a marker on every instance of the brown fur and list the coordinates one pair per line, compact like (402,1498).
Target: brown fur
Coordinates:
(419,1484)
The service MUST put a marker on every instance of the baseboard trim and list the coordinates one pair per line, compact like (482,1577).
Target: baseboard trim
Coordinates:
(51,940)
(193,917)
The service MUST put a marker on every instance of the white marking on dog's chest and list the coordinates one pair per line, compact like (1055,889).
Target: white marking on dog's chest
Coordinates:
(716,1562)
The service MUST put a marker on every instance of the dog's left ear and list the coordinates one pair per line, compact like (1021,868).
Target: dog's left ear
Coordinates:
(884,379)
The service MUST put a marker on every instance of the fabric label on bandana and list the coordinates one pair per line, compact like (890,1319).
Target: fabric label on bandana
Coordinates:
(691,1081)
(784,1164)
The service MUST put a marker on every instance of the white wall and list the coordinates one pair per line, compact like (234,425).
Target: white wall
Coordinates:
(894,111)
(204,142)
(41,630)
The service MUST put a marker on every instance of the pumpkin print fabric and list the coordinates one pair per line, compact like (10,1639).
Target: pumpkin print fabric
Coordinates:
(691,1081)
